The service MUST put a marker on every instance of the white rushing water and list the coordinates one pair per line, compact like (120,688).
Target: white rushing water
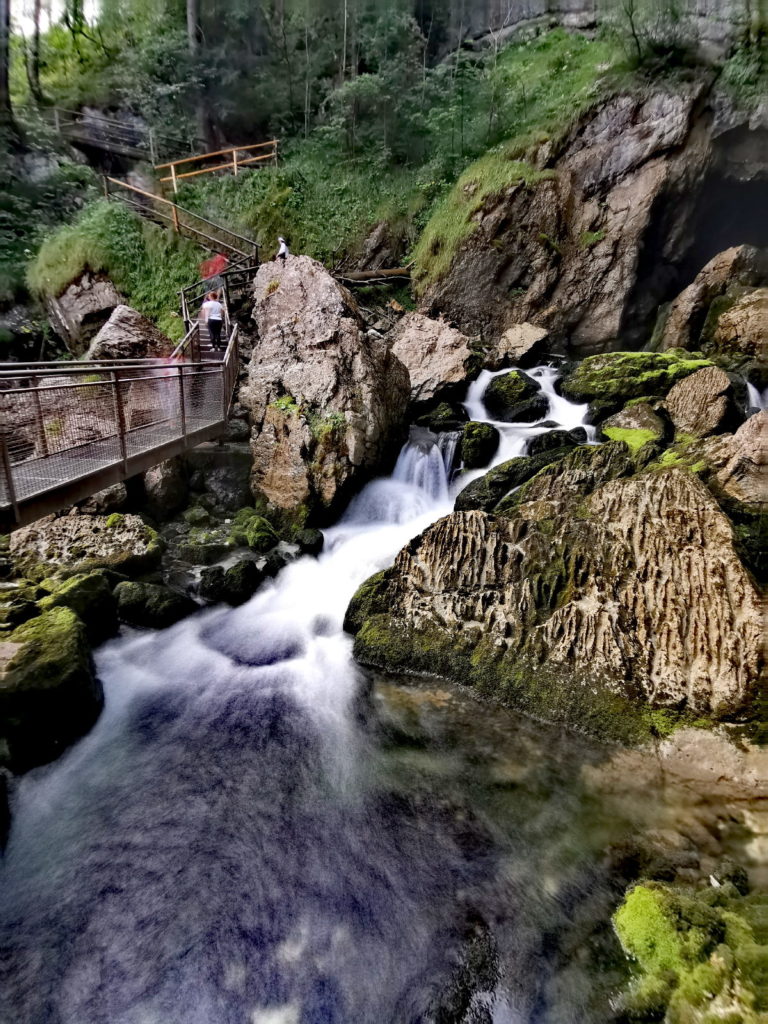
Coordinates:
(757,399)
(199,856)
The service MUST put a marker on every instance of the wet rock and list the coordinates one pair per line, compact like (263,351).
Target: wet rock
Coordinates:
(89,595)
(556,440)
(479,442)
(703,403)
(233,586)
(166,489)
(49,695)
(438,358)
(128,334)
(82,309)
(326,402)
(202,546)
(223,472)
(536,609)
(251,530)
(151,605)
(111,499)
(515,398)
(443,419)
(18,603)
(310,542)
(79,543)
(486,492)
(275,561)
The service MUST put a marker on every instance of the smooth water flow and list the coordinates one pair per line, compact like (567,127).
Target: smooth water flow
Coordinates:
(757,399)
(243,838)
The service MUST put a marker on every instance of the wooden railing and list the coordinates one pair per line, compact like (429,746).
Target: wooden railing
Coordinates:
(114,135)
(214,237)
(228,160)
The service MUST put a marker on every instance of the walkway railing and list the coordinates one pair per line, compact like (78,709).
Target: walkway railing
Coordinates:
(69,430)
(114,135)
(214,237)
(226,160)
(229,283)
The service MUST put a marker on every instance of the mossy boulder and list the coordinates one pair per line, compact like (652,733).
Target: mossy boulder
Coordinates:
(309,541)
(608,381)
(151,605)
(80,544)
(49,694)
(701,956)
(486,492)
(249,529)
(443,419)
(479,442)
(515,398)
(90,596)
(553,440)
(18,603)
(234,585)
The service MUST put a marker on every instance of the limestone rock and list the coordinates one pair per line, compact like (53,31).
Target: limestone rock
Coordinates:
(84,543)
(741,265)
(741,461)
(111,499)
(151,605)
(128,334)
(633,594)
(702,403)
(166,489)
(742,330)
(49,695)
(234,585)
(444,418)
(326,402)
(519,345)
(82,309)
(640,419)
(438,358)
(223,472)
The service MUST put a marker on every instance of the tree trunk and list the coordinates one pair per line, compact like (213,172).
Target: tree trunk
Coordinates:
(33,55)
(194,42)
(6,114)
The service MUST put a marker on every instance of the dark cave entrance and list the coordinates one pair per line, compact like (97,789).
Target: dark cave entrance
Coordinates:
(729,208)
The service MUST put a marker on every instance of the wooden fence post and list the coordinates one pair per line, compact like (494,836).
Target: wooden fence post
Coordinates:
(173,178)
(234,161)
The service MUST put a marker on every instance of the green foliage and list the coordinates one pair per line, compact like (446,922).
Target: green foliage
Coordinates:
(251,530)
(589,239)
(147,264)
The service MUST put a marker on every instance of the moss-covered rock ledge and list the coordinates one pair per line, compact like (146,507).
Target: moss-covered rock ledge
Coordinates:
(603,597)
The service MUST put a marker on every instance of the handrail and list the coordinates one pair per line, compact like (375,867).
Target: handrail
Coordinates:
(216,152)
(233,164)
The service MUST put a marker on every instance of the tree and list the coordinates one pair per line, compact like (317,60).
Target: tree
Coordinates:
(33,55)
(6,113)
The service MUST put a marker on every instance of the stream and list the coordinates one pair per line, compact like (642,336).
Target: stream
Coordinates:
(256,832)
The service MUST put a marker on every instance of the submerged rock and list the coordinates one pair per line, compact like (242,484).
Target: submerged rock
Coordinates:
(49,695)
(327,403)
(438,358)
(602,592)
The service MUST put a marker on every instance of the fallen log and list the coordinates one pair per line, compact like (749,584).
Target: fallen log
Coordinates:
(372,276)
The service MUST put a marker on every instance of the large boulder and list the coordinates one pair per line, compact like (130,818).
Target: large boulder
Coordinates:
(89,595)
(519,345)
(151,605)
(128,334)
(479,442)
(487,491)
(166,489)
(637,424)
(82,309)
(703,403)
(741,266)
(515,397)
(740,335)
(80,543)
(741,461)
(564,244)
(582,608)
(49,695)
(326,402)
(438,358)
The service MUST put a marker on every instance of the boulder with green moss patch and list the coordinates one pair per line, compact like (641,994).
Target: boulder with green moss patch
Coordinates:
(90,596)
(610,380)
(251,530)
(487,491)
(479,442)
(49,694)
(515,397)
(82,543)
(151,605)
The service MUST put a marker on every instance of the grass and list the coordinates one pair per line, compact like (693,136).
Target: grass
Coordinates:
(147,264)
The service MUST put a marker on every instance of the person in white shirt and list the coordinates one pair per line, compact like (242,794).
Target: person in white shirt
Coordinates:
(212,313)
(283,251)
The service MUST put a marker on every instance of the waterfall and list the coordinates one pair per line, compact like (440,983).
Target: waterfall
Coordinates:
(757,399)
(426,462)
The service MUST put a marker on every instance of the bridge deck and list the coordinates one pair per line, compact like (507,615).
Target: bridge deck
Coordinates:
(69,430)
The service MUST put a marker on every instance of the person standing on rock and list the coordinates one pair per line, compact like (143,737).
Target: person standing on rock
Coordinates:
(213,314)
(283,252)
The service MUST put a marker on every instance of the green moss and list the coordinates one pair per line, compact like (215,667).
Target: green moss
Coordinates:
(252,530)
(634,439)
(286,404)
(618,376)
(478,444)
(115,519)
(589,239)
(326,428)
(369,600)
(89,595)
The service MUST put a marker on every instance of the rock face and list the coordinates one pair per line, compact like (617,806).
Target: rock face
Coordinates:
(702,403)
(438,358)
(129,335)
(742,332)
(741,461)
(739,267)
(83,543)
(563,248)
(326,402)
(82,309)
(151,605)
(49,695)
(635,592)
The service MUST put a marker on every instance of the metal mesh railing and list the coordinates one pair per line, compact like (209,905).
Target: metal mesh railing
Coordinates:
(59,424)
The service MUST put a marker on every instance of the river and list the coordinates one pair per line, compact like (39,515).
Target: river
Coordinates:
(256,832)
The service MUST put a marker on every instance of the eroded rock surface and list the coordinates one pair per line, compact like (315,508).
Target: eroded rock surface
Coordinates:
(702,403)
(634,591)
(128,334)
(326,402)
(82,309)
(438,358)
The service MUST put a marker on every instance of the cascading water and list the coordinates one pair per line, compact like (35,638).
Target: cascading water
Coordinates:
(757,399)
(237,840)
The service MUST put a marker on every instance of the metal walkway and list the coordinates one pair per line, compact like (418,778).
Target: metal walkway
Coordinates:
(67,430)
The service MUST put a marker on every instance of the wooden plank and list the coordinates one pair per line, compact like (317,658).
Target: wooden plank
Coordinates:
(216,152)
